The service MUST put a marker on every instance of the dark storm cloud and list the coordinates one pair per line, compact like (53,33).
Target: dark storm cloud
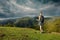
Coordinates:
(47,1)
(56,1)
(20,8)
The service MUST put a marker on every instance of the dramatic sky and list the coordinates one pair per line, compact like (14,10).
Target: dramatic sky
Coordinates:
(22,8)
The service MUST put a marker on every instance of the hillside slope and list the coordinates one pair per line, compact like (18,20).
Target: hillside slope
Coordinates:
(13,33)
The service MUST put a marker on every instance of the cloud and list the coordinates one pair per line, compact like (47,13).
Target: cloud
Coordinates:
(57,1)
(20,8)
(23,7)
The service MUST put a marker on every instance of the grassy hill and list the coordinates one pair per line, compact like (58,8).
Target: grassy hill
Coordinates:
(14,33)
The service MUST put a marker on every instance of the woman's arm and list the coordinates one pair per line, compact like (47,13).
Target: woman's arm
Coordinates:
(39,18)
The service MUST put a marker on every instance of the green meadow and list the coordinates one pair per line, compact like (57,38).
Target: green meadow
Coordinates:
(15,33)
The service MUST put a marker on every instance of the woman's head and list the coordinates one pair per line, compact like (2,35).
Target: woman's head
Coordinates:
(40,12)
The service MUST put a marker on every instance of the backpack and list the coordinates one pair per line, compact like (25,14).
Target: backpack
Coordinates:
(42,19)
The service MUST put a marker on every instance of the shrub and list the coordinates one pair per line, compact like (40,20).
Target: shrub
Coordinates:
(52,25)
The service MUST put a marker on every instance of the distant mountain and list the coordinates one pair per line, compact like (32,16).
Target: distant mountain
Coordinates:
(21,22)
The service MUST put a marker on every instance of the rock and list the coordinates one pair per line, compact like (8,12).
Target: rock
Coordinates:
(2,35)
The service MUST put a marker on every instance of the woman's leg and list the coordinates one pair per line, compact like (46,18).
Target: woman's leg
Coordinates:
(41,30)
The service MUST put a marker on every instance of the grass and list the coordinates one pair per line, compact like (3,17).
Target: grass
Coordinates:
(14,33)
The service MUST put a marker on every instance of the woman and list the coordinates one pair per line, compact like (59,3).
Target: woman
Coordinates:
(41,21)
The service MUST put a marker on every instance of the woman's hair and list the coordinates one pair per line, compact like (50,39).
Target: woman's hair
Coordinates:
(41,12)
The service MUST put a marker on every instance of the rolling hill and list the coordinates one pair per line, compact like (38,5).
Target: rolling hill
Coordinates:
(14,33)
